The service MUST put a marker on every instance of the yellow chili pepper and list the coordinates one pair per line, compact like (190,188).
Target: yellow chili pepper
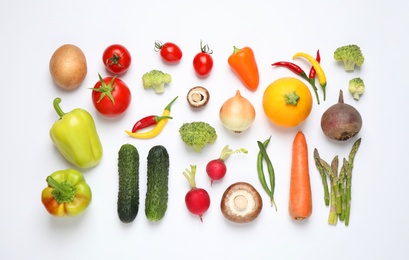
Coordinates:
(158,127)
(317,66)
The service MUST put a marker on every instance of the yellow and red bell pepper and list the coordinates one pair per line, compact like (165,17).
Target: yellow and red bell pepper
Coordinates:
(67,193)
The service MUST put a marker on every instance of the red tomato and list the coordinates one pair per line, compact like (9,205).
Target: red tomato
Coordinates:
(111,96)
(203,61)
(170,52)
(116,58)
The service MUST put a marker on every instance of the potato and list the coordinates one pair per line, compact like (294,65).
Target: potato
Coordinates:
(68,66)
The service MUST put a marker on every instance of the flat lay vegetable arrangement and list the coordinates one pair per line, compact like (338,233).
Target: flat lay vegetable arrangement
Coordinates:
(286,102)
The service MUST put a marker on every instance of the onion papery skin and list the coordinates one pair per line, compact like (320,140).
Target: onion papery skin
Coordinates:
(237,113)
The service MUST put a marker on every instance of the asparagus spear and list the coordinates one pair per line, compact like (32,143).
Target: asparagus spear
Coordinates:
(351,158)
(334,192)
(342,187)
(323,176)
(335,183)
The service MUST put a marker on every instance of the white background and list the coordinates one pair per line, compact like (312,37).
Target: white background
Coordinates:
(32,30)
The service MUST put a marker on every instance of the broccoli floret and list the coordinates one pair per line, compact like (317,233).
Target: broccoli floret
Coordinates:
(356,87)
(197,135)
(156,79)
(351,55)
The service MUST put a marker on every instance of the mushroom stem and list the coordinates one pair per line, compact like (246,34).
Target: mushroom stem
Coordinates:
(198,97)
(240,202)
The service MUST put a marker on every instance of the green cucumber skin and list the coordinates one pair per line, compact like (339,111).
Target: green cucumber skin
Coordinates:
(156,201)
(128,192)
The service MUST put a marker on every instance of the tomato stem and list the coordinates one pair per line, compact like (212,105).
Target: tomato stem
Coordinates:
(105,89)
(205,48)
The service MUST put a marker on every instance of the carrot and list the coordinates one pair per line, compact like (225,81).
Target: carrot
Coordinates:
(300,205)
(243,63)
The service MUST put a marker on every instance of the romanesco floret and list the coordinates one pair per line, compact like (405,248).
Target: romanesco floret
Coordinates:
(351,55)
(156,79)
(356,87)
(197,135)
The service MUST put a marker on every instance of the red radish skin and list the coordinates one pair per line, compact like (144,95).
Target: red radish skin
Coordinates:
(197,200)
(216,168)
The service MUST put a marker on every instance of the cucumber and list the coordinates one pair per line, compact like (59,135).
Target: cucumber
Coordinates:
(128,193)
(156,201)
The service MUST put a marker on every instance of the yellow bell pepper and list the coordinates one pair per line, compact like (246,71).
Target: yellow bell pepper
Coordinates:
(76,137)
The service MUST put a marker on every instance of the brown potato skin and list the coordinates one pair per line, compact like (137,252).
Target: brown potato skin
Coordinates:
(68,66)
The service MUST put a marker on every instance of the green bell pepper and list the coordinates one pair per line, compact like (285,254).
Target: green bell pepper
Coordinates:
(76,137)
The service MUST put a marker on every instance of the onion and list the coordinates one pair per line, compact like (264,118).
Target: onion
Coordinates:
(237,113)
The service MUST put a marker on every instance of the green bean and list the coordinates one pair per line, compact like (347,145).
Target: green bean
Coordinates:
(260,170)
(270,170)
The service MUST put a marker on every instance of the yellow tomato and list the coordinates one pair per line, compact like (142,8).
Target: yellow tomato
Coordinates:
(287,102)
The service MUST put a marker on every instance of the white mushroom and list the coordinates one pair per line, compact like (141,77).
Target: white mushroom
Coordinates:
(241,203)
(198,97)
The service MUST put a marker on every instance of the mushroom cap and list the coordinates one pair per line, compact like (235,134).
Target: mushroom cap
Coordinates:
(198,97)
(241,203)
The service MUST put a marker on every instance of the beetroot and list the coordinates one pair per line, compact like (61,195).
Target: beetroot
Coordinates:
(341,121)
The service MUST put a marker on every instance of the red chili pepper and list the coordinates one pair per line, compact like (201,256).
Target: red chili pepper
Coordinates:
(312,70)
(148,121)
(297,70)
(292,66)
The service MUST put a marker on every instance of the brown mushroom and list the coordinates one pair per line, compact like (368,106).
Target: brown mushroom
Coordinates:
(241,203)
(198,97)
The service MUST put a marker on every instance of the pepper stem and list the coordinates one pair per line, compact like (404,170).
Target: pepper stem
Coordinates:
(159,118)
(170,104)
(235,49)
(226,152)
(63,192)
(56,104)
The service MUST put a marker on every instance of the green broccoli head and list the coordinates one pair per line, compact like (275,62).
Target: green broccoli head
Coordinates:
(156,79)
(351,55)
(197,135)
(356,87)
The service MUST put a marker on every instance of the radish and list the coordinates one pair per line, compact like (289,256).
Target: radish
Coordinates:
(216,169)
(197,199)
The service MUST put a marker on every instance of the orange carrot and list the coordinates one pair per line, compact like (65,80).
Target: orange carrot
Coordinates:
(300,205)
(243,63)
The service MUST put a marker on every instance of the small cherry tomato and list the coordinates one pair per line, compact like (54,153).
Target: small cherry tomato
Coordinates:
(170,52)
(203,61)
(116,59)
(111,96)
